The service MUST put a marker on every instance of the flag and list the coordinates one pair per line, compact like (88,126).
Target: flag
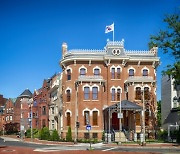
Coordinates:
(109,28)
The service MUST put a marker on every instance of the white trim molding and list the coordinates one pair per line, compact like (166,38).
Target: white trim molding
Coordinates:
(68,68)
(131,68)
(68,88)
(83,67)
(95,110)
(97,67)
(145,68)
(86,109)
(68,111)
(94,85)
(86,85)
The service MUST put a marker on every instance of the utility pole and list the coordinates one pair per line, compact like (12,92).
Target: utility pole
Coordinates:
(120,116)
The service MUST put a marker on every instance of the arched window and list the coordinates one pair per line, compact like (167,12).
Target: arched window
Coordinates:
(95,118)
(86,93)
(82,71)
(113,94)
(68,115)
(131,72)
(68,93)
(118,94)
(96,71)
(118,73)
(112,73)
(95,93)
(145,72)
(146,93)
(68,74)
(86,117)
(138,93)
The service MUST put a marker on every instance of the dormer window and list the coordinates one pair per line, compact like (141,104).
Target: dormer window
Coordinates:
(131,72)
(82,72)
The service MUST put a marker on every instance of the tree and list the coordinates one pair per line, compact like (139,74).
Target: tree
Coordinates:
(169,41)
(159,113)
(55,136)
(69,135)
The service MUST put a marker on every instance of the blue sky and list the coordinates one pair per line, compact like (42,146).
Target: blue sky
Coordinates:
(32,31)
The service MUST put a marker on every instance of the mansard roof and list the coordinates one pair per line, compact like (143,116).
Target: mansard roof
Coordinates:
(27,93)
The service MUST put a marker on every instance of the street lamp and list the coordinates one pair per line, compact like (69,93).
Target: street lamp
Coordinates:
(120,116)
(30,102)
(143,119)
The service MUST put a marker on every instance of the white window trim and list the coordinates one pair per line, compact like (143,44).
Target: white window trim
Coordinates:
(86,109)
(68,111)
(145,68)
(131,68)
(119,88)
(97,67)
(155,91)
(95,110)
(113,87)
(68,88)
(137,86)
(94,85)
(86,85)
(112,67)
(68,68)
(142,88)
(83,67)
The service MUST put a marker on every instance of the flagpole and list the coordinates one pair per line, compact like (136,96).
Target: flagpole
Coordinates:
(113,34)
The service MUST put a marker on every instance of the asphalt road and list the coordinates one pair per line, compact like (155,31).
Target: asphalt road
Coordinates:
(50,148)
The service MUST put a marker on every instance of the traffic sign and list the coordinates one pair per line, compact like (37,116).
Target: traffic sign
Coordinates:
(88,127)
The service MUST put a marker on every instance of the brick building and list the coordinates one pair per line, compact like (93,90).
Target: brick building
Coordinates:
(95,81)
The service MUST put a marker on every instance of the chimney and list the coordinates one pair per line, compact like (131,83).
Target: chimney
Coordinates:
(64,49)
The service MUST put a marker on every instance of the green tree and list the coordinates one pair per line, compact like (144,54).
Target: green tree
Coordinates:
(55,136)
(169,41)
(44,134)
(159,113)
(69,135)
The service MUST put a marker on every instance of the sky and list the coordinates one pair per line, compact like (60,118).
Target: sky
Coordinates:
(32,32)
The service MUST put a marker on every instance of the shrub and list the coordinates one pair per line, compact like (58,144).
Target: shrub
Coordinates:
(35,133)
(54,136)
(69,135)
(44,134)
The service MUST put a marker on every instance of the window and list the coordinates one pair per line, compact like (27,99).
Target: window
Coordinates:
(52,110)
(44,123)
(113,73)
(113,95)
(52,122)
(86,135)
(146,93)
(44,110)
(86,93)
(138,93)
(68,74)
(131,72)
(118,73)
(68,119)
(86,118)
(68,92)
(10,117)
(95,135)
(96,72)
(95,118)
(82,71)
(145,72)
(95,93)
(118,94)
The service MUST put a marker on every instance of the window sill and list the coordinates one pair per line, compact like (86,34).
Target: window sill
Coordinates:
(95,100)
(115,79)
(86,100)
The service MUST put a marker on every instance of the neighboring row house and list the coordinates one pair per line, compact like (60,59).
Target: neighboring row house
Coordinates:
(95,81)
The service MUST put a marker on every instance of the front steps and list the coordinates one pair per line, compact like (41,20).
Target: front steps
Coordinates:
(120,137)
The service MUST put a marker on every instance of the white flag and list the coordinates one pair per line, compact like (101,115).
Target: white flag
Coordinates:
(109,28)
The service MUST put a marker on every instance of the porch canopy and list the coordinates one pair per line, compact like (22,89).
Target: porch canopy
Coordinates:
(125,105)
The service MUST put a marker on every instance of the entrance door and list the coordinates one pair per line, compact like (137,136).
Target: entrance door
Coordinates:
(115,121)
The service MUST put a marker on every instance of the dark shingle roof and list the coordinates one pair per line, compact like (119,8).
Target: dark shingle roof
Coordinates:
(26,93)
(125,105)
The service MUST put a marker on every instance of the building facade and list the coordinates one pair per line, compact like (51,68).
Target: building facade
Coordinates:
(170,102)
(93,80)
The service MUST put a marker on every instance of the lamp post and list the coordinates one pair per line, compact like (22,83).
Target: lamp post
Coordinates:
(120,116)
(143,119)
(30,101)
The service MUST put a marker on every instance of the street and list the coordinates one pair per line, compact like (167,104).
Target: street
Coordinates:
(17,147)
